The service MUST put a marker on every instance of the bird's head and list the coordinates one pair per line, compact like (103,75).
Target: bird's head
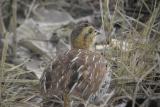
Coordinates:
(82,36)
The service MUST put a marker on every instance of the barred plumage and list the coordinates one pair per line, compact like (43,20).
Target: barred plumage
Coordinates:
(79,73)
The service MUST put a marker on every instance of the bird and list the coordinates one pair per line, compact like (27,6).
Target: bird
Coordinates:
(79,73)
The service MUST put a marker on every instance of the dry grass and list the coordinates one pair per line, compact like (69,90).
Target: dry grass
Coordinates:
(137,65)
(135,61)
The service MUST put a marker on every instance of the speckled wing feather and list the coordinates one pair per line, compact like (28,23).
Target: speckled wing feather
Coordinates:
(78,72)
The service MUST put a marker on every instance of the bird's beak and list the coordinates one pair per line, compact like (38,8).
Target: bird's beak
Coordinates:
(97,32)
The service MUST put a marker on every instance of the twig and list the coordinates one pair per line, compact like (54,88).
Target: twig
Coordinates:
(30,9)
(14,11)
(2,26)
(4,52)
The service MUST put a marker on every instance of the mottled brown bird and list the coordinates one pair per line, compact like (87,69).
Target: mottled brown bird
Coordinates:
(79,73)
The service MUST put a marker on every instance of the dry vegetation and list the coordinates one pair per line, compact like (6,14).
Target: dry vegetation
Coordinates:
(132,33)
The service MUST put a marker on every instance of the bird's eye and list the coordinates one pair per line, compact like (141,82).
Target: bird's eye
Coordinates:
(90,30)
